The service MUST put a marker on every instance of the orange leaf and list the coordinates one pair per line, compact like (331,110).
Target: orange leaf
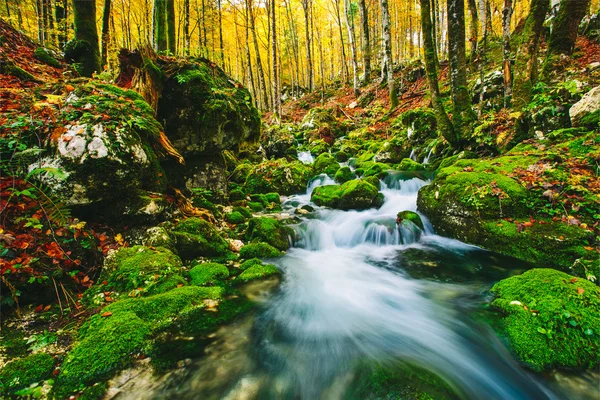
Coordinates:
(580,290)
(47,307)
(106,314)
(573,280)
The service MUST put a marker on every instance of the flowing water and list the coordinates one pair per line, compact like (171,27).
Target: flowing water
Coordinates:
(360,290)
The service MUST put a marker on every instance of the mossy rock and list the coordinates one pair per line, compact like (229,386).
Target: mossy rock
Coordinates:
(355,194)
(326,164)
(259,250)
(344,174)
(551,319)
(208,274)
(236,195)
(109,341)
(139,270)
(411,217)
(279,176)
(258,271)
(235,218)
(420,123)
(195,237)
(341,156)
(203,110)
(318,147)
(378,170)
(158,236)
(409,165)
(269,230)
(273,198)
(240,173)
(21,373)
(250,263)
(44,55)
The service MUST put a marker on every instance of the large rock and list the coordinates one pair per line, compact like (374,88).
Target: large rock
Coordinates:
(105,154)
(279,176)
(586,111)
(356,194)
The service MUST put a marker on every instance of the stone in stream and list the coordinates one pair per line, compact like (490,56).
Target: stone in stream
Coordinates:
(410,216)
(356,194)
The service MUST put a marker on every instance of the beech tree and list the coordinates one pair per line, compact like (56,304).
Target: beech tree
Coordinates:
(387,70)
(84,50)
(159,19)
(366,41)
(566,25)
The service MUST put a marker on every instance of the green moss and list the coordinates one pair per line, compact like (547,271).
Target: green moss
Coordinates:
(344,174)
(240,173)
(255,206)
(237,194)
(409,165)
(410,216)
(195,237)
(327,195)
(20,373)
(257,271)
(551,319)
(244,211)
(273,198)
(363,158)
(326,164)
(250,263)
(355,194)
(259,250)
(341,156)
(269,230)
(208,274)
(373,180)
(140,270)
(44,56)
(318,147)
(235,218)
(9,68)
(279,176)
(378,170)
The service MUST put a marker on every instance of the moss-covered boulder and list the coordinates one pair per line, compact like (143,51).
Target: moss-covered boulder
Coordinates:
(344,174)
(202,109)
(278,141)
(23,372)
(110,340)
(280,176)
(195,237)
(409,165)
(318,146)
(551,319)
(420,124)
(378,170)
(326,164)
(508,204)
(208,274)
(410,216)
(137,271)
(103,153)
(257,271)
(355,194)
(259,250)
(269,230)
(240,173)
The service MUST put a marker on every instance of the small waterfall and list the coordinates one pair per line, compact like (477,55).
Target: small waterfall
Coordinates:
(428,156)
(412,155)
(305,157)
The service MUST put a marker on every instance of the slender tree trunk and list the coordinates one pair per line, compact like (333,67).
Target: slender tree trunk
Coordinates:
(274,62)
(566,25)
(60,10)
(483,51)
(249,58)
(411,32)
(160,25)
(171,41)
(473,28)
(260,71)
(506,17)
(528,42)
(444,125)
(387,53)
(350,26)
(105,30)
(462,117)
(366,42)
(40,20)
(221,46)
(186,26)
(86,51)
(345,71)
(306,6)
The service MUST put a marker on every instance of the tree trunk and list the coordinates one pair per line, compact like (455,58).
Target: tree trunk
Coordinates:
(105,30)
(60,10)
(40,20)
(160,25)
(566,25)
(221,47)
(473,28)
(186,26)
(387,53)
(444,125)
(366,42)
(506,16)
(528,42)
(262,86)
(350,26)
(171,41)
(306,6)
(85,50)
(274,62)
(462,116)
(345,71)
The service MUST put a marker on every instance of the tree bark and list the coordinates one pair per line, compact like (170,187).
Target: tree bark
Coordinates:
(366,41)
(566,25)
(350,26)
(160,25)
(528,42)
(506,16)
(60,10)
(262,86)
(171,41)
(387,53)
(86,49)
(186,26)
(473,28)
(105,30)
(274,62)
(444,125)
(306,7)
(462,116)
(221,47)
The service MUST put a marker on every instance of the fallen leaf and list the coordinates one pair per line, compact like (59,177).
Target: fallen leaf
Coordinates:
(580,290)
(106,314)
